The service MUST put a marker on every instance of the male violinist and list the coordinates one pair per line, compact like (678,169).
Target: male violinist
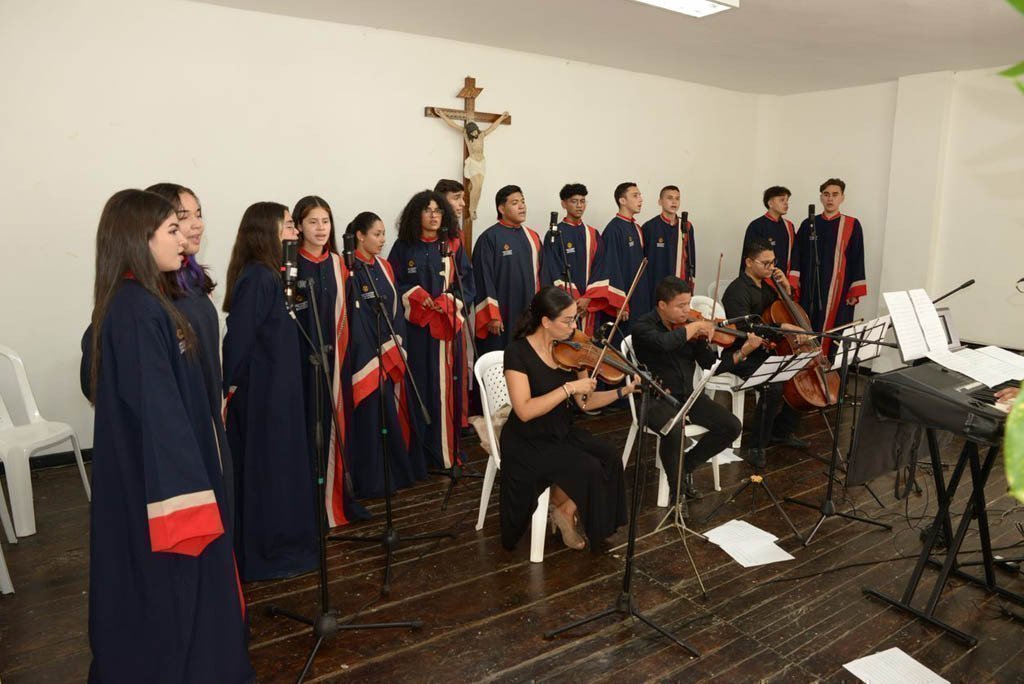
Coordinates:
(670,347)
(750,295)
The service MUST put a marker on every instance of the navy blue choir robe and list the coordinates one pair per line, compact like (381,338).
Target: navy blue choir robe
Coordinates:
(583,248)
(200,312)
(624,250)
(842,283)
(164,600)
(435,347)
(780,235)
(275,504)
(664,256)
(366,340)
(328,276)
(506,266)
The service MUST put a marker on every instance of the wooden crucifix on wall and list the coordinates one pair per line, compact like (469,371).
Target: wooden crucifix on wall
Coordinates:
(474,165)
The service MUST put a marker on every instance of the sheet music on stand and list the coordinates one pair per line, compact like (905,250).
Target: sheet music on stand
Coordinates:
(698,389)
(920,334)
(870,334)
(778,369)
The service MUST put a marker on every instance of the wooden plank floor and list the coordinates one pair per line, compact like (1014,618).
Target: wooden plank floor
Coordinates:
(485,609)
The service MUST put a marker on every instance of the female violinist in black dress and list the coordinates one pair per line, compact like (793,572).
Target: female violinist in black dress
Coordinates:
(541,447)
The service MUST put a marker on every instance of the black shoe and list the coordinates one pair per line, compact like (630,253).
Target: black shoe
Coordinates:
(754,456)
(689,490)
(790,441)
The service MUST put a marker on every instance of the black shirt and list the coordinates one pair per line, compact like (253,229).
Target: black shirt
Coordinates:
(744,298)
(556,423)
(668,355)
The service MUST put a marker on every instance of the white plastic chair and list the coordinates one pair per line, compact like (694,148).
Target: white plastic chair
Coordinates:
(490,377)
(19,443)
(723,382)
(721,285)
(6,586)
(690,430)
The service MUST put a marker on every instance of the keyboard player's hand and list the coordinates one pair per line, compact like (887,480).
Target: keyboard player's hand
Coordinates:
(1007,395)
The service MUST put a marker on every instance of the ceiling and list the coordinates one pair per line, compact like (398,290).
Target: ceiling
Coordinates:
(765,46)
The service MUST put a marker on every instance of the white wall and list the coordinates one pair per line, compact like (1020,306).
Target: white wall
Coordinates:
(240,106)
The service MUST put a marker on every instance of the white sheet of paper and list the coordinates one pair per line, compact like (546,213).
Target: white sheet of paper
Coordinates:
(908,330)
(1015,361)
(875,332)
(738,531)
(754,554)
(892,666)
(934,331)
(985,369)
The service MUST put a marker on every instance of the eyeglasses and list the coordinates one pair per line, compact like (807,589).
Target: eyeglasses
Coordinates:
(767,264)
(436,212)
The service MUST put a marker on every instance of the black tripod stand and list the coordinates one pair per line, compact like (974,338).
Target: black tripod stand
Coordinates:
(759,479)
(389,537)
(827,507)
(625,603)
(326,623)
(458,470)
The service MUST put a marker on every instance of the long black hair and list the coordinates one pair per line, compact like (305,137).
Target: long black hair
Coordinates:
(129,220)
(258,240)
(362,223)
(410,222)
(548,302)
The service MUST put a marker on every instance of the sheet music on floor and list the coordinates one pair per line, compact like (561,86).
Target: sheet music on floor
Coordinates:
(892,666)
(746,544)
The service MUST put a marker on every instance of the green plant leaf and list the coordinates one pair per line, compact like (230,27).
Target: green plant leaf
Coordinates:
(1014,71)
(1013,445)
(1019,4)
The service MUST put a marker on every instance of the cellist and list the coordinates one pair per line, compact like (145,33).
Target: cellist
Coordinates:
(750,295)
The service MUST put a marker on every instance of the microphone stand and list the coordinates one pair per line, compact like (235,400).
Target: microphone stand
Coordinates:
(956,289)
(326,623)
(827,507)
(816,304)
(458,470)
(389,537)
(625,603)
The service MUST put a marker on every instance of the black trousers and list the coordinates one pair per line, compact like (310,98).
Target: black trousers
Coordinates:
(721,425)
(773,417)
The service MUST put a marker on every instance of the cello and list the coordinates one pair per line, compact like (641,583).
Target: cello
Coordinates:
(814,387)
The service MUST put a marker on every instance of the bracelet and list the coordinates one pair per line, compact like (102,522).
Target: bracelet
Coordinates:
(565,388)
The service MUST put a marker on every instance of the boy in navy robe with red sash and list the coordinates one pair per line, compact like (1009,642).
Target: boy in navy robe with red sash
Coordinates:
(830,298)
(663,237)
(426,281)
(624,250)
(583,248)
(164,598)
(774,229)
(506,266)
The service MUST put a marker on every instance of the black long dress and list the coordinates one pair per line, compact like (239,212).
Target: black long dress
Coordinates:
(550,450)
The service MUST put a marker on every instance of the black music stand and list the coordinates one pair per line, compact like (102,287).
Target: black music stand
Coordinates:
(625,602)
(975,509)
(827,507)
(675,518)
(775,369)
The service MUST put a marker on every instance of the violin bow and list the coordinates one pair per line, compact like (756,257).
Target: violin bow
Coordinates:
(618,317)
(718,281)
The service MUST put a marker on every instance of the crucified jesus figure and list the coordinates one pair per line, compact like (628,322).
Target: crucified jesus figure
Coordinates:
(475,166)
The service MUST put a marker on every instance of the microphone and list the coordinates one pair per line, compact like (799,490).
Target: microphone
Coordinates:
(554,225)
(741,319)
(964,286)
(348,250)
(810,217)
(289,269)
(683,220)
(442,237)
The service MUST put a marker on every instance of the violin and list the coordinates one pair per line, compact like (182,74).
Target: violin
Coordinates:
(816,386)
(581,352)
(723,335)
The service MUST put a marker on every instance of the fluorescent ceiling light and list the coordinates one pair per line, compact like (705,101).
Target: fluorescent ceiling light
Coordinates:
(694,8)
